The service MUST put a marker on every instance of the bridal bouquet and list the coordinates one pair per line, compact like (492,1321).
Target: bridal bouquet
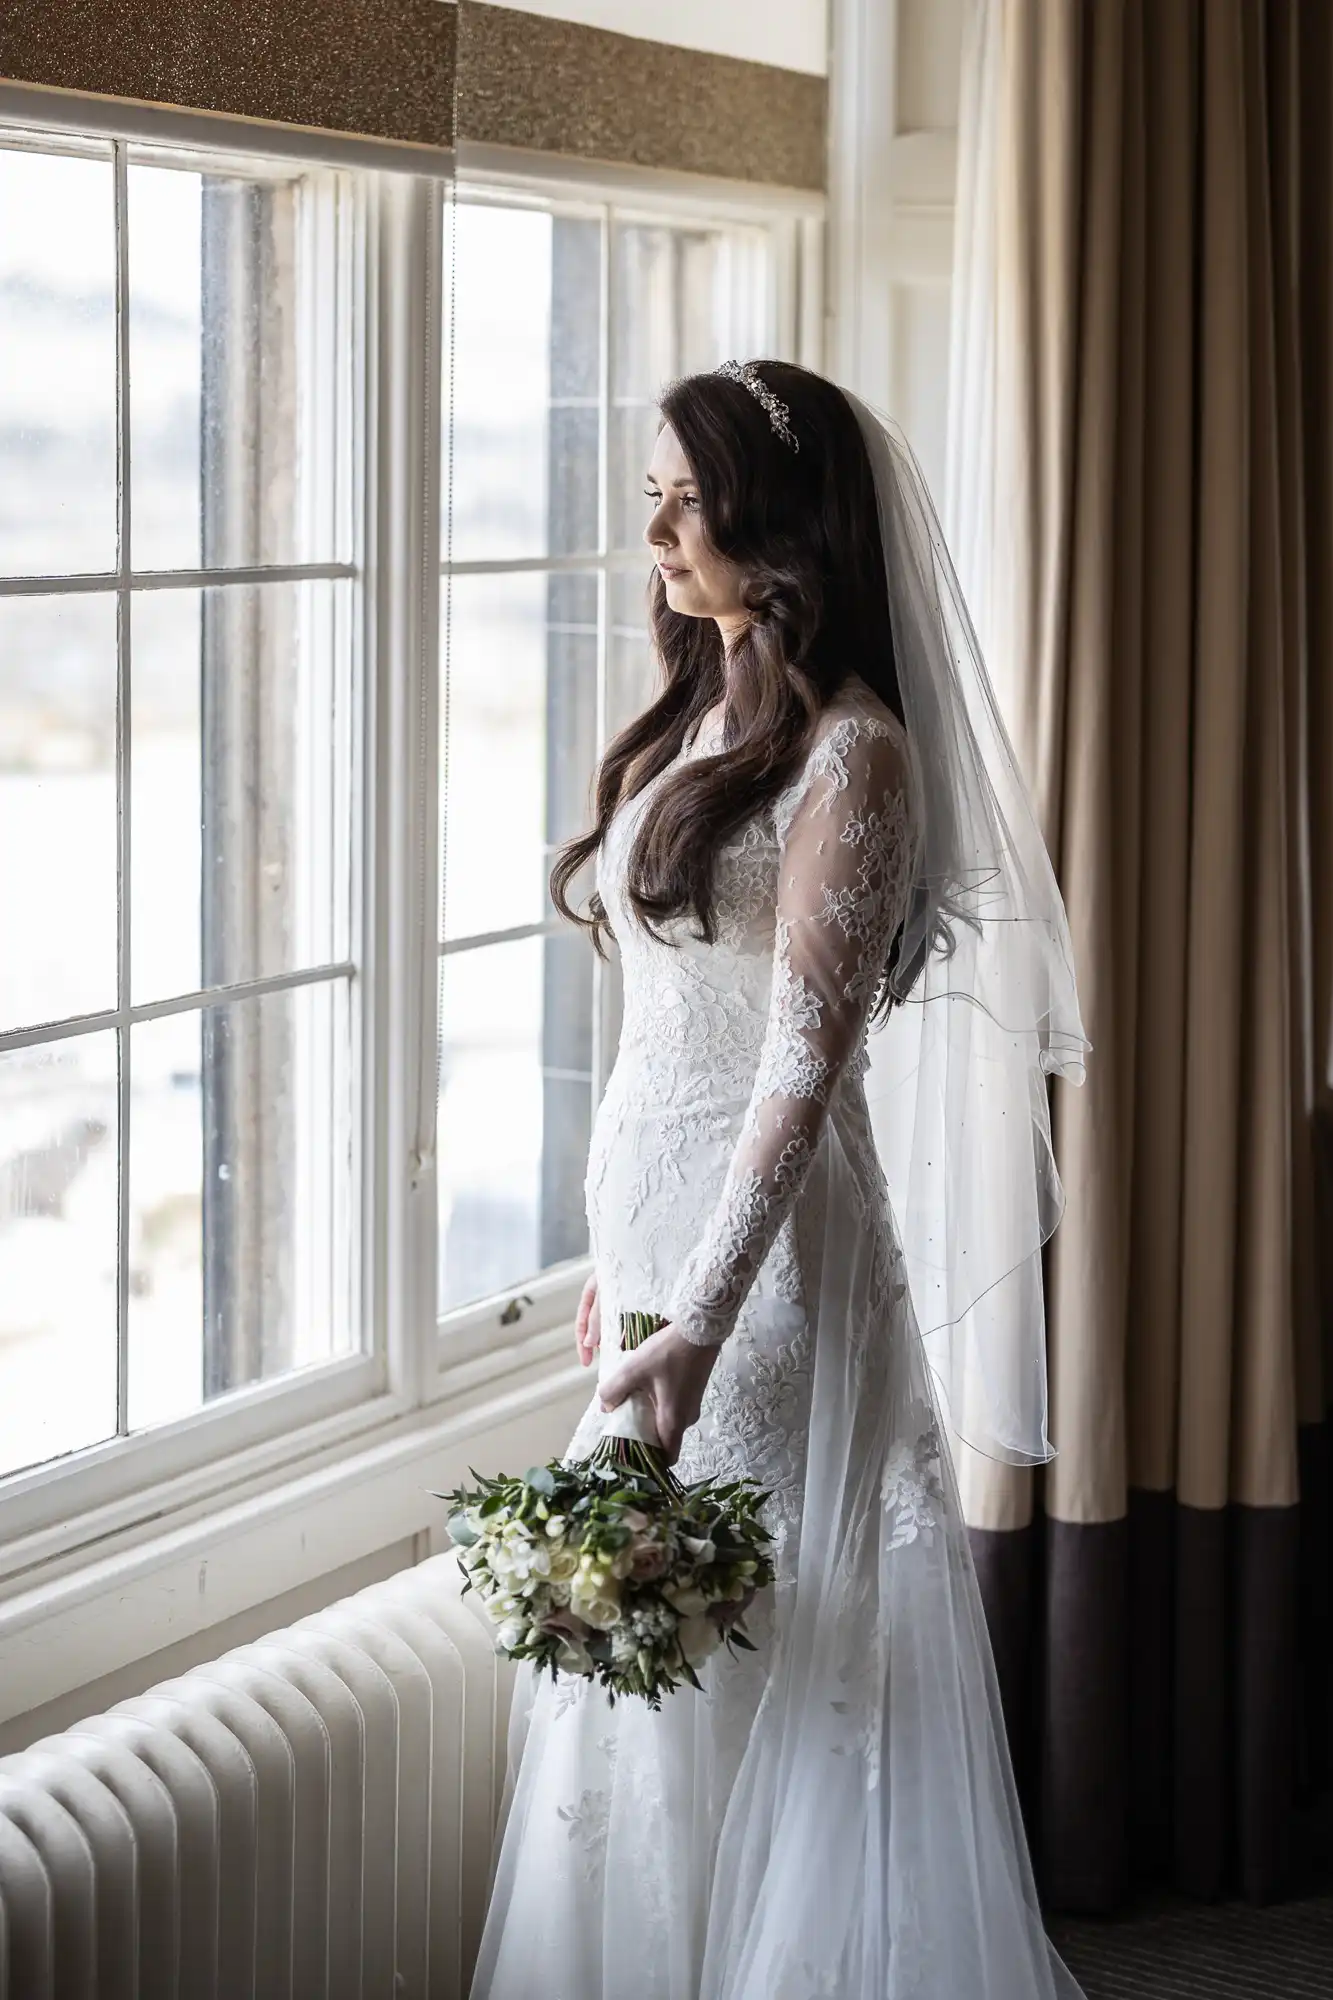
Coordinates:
(611,1569)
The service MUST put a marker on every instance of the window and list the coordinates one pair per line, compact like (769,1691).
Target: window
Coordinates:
(321,588)
(564,320)
(179,727)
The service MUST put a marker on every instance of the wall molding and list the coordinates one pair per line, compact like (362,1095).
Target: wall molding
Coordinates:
(558,87)
(382,68)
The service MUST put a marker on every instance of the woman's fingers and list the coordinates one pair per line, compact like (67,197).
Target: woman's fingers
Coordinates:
(587,1322)
(650,1372)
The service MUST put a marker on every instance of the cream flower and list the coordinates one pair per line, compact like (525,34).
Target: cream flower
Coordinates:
(697,1638)
(689,1600)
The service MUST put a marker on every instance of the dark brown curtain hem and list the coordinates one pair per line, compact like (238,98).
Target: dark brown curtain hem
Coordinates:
(1167,1682)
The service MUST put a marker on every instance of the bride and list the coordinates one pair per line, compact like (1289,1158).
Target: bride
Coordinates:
(815,829)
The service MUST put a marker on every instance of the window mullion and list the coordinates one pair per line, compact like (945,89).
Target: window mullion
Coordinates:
(122,758)
(404,614)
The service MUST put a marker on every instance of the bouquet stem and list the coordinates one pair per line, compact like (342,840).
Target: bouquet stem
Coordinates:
(632,1454)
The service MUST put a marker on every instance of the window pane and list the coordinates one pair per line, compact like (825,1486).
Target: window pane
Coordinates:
(521,723)
(239,367)
(57,807)
(521,383)
(682,299)
(241,800)
(58,1182)
(58,373)
(631,670)
(240,1197)
(514,1114)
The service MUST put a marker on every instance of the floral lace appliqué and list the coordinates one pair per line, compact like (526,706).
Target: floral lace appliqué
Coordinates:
(912,1489)
(588,1821)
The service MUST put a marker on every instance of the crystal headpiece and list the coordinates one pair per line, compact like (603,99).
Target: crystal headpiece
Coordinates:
(779,416)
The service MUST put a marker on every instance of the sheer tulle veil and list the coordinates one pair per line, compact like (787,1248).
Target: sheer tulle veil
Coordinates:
(958,1080)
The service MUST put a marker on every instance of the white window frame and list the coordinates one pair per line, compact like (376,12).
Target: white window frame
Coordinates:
(417,1372)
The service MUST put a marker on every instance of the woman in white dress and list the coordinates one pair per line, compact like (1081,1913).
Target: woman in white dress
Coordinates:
(817,826)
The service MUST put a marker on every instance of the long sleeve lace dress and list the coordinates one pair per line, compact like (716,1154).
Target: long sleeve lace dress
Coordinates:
(834,1814)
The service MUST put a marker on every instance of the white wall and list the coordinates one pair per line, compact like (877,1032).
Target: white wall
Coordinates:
(894,83)
(791,33)
(95,1697)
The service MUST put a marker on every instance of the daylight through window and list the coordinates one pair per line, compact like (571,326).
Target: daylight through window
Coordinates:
(563,324)
(178,729)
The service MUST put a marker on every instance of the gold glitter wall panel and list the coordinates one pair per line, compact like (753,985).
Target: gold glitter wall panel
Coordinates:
(380,67)
(525,80)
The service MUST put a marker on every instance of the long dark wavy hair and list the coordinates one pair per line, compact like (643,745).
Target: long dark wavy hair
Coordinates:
(803,529)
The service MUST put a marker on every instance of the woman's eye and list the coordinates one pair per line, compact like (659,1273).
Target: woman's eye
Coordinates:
(690,500)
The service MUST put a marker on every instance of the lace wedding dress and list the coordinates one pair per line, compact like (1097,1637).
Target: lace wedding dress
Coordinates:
(834,1814)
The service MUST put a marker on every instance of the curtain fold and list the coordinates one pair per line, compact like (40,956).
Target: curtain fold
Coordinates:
(1141,467)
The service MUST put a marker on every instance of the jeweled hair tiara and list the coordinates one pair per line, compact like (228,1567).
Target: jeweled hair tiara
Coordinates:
(779,416)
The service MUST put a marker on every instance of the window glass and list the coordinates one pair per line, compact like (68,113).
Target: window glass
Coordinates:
(57,361)
(521,374)
(631,671)
(519,728)
(180,793)
(241,763)
(541,665)
(514,1112)
(58,1265)
(57,807)
(240,1197)
(682,299)
(240,408)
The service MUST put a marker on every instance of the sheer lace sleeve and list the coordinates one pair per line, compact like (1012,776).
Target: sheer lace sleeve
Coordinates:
(843,869)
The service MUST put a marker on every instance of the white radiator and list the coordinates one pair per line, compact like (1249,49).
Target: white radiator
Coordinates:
(308,1816)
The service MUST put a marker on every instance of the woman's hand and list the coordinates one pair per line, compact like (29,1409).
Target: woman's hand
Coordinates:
(588,1322)
(673,1373)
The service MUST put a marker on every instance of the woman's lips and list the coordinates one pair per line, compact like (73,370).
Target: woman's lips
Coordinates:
(672,569)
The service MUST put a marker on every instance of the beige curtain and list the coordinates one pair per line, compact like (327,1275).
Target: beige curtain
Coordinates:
(1156,465)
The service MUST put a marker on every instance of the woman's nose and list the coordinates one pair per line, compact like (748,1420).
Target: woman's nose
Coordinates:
(657,534)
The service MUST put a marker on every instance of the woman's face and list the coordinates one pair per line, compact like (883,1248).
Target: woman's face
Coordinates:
(699,582)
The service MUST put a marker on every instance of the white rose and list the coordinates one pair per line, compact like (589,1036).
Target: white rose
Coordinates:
(601,1611)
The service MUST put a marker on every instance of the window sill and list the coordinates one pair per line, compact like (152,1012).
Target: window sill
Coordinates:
(112,1597)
